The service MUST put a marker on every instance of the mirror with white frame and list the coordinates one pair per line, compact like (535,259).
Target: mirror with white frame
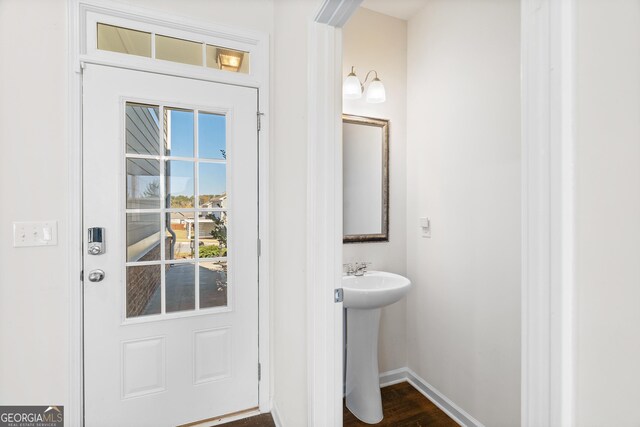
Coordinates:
(365,171)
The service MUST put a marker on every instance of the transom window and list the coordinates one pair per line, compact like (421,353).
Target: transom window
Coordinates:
(151,45)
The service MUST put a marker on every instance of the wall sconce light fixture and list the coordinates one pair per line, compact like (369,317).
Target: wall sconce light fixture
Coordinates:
(352,88)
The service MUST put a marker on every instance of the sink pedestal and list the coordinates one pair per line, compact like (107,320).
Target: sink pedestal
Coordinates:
(363,297)
(363,378)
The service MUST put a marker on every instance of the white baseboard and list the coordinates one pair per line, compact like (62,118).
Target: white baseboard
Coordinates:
(393,377)
(440,400)
(275,415)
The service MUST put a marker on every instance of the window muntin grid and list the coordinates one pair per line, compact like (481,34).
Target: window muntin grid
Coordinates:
(129,41)
(186,269)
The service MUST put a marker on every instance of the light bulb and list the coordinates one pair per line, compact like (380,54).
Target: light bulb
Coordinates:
(351,88)
(375,92)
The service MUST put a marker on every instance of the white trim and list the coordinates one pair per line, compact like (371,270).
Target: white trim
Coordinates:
(74,412)
(447,406)
(324,226)
(275,414)
(566,338)
(92,11)
(255,42)
(264,234)
(324,213)
(336,13)
(548,147)
(392,377)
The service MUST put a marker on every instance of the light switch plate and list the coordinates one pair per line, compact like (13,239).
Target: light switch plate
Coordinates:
(425,226)
(35,233)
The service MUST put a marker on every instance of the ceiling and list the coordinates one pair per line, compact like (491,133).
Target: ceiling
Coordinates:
(403,9)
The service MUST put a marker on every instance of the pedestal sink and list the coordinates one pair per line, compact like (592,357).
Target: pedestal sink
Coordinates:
(363,298)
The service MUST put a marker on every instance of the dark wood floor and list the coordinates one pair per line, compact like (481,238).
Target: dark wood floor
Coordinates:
(262,420)
(402,405)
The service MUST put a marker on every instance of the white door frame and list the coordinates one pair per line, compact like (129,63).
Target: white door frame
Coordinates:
(81,12)
(548,153)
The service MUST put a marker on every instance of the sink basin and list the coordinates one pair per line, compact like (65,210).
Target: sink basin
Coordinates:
(373,290)
(363,297)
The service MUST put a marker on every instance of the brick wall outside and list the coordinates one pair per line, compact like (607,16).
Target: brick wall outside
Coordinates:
(143,281)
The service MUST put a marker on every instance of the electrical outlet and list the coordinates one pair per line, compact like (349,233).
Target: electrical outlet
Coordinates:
(43,233)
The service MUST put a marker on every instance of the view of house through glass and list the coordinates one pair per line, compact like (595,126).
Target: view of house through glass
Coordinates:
(176,209)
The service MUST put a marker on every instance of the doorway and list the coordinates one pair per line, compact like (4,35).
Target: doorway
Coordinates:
(547,347)
(170,200)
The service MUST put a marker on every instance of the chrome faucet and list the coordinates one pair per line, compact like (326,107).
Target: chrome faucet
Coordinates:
(350,269)
(357,269)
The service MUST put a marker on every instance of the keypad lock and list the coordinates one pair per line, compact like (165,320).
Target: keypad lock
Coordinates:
(96,245)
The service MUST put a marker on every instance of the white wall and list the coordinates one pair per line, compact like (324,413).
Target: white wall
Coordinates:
(375,41)
(463,172)
(289,201)
(34,186)
(254,15)
(608,213)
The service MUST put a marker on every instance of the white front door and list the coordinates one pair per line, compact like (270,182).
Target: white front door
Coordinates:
(170,174)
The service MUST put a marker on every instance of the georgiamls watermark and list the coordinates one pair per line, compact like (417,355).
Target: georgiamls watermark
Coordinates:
(32,416)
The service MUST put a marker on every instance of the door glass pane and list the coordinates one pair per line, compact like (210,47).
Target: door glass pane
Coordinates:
(181,229)
(213,234)
(143,184)
(227,59)
(212,183)
(143,290)
(180,185)
(212,136)
(143,237)
(179,133)
(193,254)
(124,40)
(213,284)
(178,50)
(180,282)
(143,129)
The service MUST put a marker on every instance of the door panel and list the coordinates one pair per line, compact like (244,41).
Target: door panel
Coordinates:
(170,172)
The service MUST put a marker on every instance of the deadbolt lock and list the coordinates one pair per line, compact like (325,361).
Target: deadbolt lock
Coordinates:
(96,243)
